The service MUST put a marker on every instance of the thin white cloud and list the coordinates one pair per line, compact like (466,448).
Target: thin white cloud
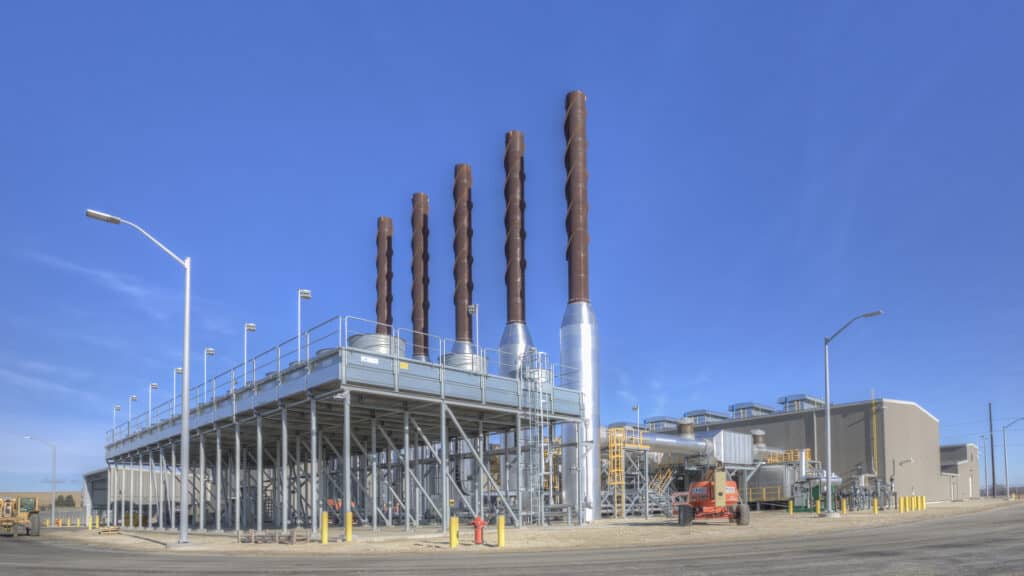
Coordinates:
(145,297)
(43,381)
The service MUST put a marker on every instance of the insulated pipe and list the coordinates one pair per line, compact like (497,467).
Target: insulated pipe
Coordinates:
(463,246)
(385,234)
(671,444)
(420,274)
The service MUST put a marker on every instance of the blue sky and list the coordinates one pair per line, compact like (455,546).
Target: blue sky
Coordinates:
(759,172)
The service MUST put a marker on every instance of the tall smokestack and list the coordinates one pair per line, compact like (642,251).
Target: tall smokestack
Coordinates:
(581,471)
(420,275)
(381,340)
(515,340)
(577,251)
(385,235)
(463,246)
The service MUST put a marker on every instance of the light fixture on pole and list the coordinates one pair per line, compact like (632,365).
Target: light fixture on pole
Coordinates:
(981,464)
(149,418)
(207,352)
(1006,463)
(174,391)
(53,477)
(113,431)
(185,263)
(828,411)
(474,311)
(303,295)
(131,398)
(249,327)
(636,409)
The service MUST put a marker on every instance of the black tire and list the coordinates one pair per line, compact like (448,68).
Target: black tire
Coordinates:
(685,515)
(33,524)
(743,515)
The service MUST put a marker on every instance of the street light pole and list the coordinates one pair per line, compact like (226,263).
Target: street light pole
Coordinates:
(131,398)
(149,417)
(174,391)
(1006,463)
(303,295)
(113,431)
(983,465)
(207,352)
(186,263)
(53,478)
(829,511)
(249,327)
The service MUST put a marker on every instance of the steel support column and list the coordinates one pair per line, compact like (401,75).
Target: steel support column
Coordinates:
(444,467)
(170,496)
(314,504)
(519,472)
(259,472)
(347,456)
(238,477)
(406,493)
(219,473)
(285,488)
(373,473)
(202,481)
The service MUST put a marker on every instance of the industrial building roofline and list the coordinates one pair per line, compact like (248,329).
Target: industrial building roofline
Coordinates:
(723,417)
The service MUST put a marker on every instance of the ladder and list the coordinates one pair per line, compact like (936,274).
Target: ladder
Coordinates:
(616,470)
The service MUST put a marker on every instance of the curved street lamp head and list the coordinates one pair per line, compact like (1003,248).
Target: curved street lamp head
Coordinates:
(102,216)
(178,370)
(209,352)
(154,386)
(250,327)
(133,398)
(305,294)
(873,314)
(117,407)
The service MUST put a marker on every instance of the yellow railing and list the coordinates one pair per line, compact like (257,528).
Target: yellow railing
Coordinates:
(765,494)
(616,468)
(787,456)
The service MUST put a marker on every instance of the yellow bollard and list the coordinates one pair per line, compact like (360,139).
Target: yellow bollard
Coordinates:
(843,505)
(453,532)
(790,505)
(924,503)
(324,525)
(874,505)
(348,526)
(501,531)
(817,506)
(78,522)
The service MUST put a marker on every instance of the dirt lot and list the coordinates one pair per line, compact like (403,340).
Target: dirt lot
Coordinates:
(604,534)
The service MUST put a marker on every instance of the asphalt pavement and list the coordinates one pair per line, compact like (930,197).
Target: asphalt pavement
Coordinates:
(988,542)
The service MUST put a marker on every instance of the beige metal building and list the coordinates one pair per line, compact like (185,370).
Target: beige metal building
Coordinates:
(894,439)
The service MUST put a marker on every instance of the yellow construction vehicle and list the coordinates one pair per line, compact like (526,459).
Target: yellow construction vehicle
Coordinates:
(19,516)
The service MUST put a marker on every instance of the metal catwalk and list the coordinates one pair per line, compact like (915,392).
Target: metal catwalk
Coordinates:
(347,422)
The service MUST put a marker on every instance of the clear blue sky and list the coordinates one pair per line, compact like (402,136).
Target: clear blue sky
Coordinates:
(759,172)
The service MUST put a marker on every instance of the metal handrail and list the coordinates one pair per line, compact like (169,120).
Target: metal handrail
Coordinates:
(332,333)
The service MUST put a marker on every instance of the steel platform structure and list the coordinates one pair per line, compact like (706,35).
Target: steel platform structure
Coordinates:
(336,425)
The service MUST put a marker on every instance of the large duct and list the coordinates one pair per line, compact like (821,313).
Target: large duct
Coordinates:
(462,354)
(578,335)
(385,236)
(515,339)
(420,275)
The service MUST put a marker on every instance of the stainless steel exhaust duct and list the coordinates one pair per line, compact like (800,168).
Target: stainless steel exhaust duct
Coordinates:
(515,339)
(578,335)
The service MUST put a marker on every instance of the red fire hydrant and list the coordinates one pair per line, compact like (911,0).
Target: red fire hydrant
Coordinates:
(478,530)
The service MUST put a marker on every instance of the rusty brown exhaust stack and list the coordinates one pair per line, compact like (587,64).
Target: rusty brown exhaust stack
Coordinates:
(515,229)
(578,250)
(385,235)
(420,274)
(463,245)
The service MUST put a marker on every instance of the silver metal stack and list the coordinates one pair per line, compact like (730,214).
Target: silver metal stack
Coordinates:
(578,335)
